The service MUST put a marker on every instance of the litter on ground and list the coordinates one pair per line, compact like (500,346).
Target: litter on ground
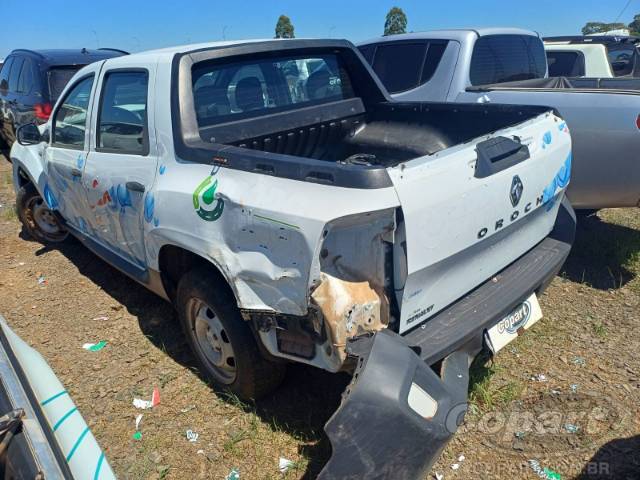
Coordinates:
(579,361)
(234,474)
(95,347)
(571,428)
(137,436)
(192,436)
(146,404)
(574,388)
(544,473)
(138,420)
(42,280)
(539,377)
(285,464)
(101,317)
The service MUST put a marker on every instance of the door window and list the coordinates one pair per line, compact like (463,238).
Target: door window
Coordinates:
(70,120)
(122,120)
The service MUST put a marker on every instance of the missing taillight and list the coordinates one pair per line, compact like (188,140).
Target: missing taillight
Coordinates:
(42,111)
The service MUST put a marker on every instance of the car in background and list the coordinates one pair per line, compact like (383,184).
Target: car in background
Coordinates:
(600,56)
(508,66)
(42,433)
(31,81)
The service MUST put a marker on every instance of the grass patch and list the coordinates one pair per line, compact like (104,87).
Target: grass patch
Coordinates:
(9,214)
(485,394)
(599,329)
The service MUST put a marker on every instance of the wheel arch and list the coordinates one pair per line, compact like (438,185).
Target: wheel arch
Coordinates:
(174,261)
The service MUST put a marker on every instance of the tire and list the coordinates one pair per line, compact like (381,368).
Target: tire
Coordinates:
(221,340)
(41,223)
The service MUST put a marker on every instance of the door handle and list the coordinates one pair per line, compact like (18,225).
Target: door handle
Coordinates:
(135,187)
(76,173)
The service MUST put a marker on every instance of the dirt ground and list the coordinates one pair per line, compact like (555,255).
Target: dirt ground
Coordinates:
(565,395)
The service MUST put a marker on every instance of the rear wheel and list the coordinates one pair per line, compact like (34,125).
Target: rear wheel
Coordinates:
(221,340)
(34,213)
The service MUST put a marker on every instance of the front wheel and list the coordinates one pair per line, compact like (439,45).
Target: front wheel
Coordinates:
(221,340)
(34,213)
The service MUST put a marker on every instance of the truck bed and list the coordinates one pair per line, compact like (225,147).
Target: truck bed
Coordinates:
(568,85)
(385,136)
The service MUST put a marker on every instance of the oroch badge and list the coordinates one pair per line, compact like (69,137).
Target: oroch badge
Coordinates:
(516,190)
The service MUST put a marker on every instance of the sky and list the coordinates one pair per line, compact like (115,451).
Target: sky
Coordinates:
(136,25)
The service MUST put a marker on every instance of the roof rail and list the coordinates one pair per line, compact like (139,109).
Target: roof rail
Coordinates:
(595,39)
(124,52)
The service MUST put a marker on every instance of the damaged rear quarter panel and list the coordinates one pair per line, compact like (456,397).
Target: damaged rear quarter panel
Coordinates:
(266,242)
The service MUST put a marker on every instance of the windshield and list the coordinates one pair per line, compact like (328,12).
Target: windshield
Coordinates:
(58,77)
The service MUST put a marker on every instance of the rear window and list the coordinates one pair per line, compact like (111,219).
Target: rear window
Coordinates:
(566,64)
(4,74)
(402,66)
(507,58)
(58,77)
(229,91)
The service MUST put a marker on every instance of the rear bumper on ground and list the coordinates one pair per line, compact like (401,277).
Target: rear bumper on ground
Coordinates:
(378,431)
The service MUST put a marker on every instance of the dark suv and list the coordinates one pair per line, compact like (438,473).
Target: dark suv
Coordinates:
(31,81)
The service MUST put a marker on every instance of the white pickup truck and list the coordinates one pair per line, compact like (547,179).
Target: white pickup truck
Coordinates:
(597,56)
(290,211)
(508,66)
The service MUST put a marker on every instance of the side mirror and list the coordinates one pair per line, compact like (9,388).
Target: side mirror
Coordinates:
(28,134)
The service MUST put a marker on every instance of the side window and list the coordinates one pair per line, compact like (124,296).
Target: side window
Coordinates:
(16,68)
(4,74)
(566,64)
(25,82)
(621,59)
(122,120)
(403,66)
(507,58)
(70,120)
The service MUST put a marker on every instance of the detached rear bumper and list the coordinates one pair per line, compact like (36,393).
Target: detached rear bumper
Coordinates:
(397,415)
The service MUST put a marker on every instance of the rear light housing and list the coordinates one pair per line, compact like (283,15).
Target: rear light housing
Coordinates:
(638,122)
(42,112)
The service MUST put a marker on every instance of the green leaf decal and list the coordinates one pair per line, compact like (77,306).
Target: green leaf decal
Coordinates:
(209,193)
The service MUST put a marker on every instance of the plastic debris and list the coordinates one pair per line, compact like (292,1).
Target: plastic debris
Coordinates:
(192,436)
(138,420)
(439,476)
(461,458)
(137,436)
(234,474)
(556,392)
(101,317)
(519,435)
(146,404)
(574,387)
(284,464)
(95,347)
(539,377)
(545,473)
(571,428)
(455,466)
(579,361)
(187,408)
(21,264)
(42,280)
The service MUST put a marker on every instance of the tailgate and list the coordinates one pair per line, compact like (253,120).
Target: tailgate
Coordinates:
(471,210)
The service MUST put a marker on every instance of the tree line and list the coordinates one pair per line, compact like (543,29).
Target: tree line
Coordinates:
(601,27)
(395,22)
